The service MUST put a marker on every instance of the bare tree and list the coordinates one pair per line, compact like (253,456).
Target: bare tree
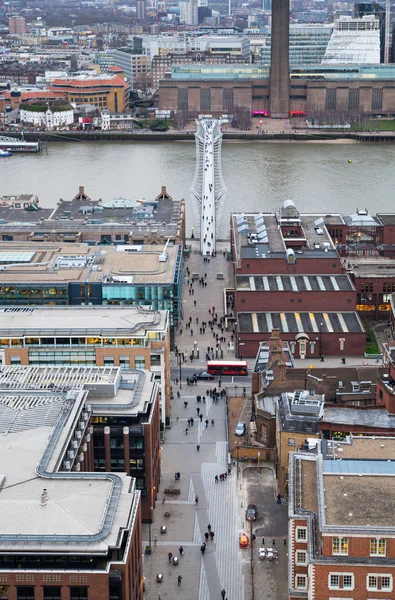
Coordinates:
(143,86)
(180,118)
(242,117)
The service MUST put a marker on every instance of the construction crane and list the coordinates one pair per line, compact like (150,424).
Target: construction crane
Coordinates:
(387,31)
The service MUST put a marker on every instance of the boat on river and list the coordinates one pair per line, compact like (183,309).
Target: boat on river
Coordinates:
(5,153)
(11,144)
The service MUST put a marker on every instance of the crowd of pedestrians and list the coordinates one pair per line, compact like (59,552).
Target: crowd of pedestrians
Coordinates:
(209,322)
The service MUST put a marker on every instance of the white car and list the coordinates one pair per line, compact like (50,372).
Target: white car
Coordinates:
(240,429)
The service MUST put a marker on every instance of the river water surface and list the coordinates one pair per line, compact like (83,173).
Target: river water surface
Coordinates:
(258,175)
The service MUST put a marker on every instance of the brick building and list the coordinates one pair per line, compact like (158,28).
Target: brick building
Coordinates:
(66,531)
(315,95)
(341,520)
(17,25)
(287,264)
(104,91)
(162,63)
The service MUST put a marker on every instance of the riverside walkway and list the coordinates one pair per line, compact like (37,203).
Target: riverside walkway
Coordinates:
(208,187)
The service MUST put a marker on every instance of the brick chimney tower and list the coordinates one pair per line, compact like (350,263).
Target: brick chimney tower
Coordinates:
(279,70)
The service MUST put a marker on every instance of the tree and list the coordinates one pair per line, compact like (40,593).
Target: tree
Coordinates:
(242,117)
(143,85)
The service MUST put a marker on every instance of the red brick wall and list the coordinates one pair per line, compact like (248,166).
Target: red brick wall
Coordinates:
(302,266)
(152,461)
(360,592)
(354,345)
(300,301)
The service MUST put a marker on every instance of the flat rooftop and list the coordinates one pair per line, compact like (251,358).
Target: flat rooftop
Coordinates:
(367,500)
(138,217)
(333,220)
(88,320)
(63,263)
(83,513)
(303,322)
(260,235)
(352,417)
(370,448)
(39,410)
(387,218)
(378,267)
(294,283)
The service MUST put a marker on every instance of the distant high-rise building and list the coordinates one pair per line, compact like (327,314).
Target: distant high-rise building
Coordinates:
(354,41)
(189,12)
(307,43)
(373,8)
(279,70)
(140,10)
(17,25)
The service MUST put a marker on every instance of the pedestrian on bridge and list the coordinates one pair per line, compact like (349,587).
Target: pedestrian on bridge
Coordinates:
(198,447)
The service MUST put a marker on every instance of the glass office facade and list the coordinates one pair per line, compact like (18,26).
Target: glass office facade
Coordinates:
(307,44)
(235,72)
(161,296)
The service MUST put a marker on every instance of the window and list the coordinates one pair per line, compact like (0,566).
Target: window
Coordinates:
(136,464)
(301,534)
(377,547)
(78,593)
(228,99)
(353,99)
(341,581)
(4,592)
(182,99)
(331,99)
(16,360)
(155,360)
(108,361)
(301,582)
(348,582)
(205,99)
(291,442)
(301,557)
(124,362)
(52,592)
(340,546)
(377,99)
(25,592)
(139,362)
(379,582)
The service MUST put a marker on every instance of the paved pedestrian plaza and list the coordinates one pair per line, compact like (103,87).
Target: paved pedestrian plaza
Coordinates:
(222,505)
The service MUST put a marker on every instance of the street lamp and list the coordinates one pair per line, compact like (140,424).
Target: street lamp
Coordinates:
(321,326)
(179,363)
(149,526)
(259,454)
(237,460)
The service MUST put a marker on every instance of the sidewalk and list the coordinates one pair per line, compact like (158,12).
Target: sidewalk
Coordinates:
(203,577)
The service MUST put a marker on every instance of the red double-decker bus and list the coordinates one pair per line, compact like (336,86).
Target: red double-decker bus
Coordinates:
(227,367)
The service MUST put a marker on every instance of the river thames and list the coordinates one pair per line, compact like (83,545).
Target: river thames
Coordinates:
(258,175)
